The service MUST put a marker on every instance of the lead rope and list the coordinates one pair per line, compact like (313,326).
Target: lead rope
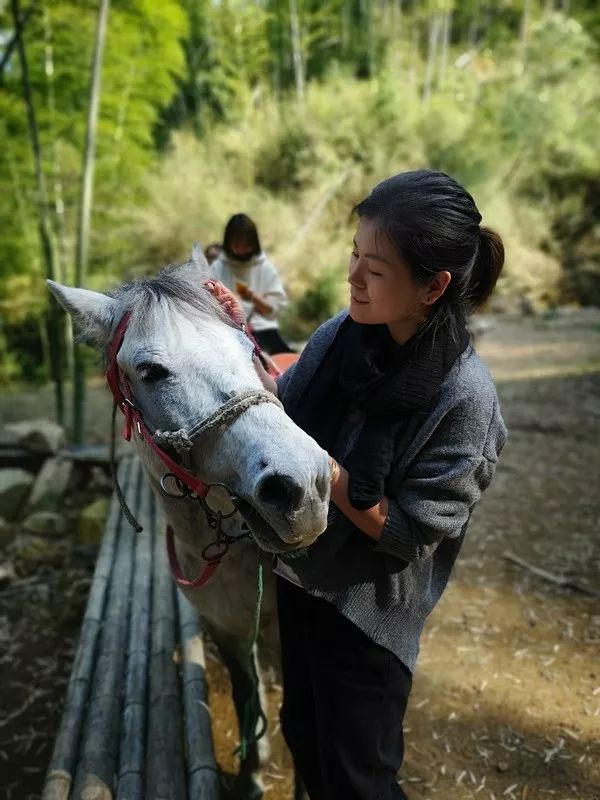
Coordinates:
(253,713)
(113,470)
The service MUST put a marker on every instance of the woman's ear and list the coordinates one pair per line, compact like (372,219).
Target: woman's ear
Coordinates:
(436,287)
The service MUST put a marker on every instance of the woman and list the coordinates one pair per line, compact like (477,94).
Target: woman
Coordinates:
(394,392)
(244,268)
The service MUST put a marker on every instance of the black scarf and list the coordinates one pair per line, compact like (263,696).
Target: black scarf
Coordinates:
(365,370)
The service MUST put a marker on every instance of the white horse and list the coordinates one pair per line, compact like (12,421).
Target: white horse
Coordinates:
(183,359)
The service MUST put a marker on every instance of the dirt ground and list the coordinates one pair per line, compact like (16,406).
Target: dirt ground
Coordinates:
(506,698)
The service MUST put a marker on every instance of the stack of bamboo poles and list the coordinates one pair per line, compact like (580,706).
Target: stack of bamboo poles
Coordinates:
(135,723)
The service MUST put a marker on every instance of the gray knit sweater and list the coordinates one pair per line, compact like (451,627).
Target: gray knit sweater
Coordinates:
(388,588)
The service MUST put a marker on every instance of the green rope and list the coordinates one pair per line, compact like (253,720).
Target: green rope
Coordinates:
(253,713)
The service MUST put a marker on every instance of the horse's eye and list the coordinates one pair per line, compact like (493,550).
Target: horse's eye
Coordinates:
(151,373)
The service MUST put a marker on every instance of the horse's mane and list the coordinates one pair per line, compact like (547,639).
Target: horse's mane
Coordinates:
(179,285)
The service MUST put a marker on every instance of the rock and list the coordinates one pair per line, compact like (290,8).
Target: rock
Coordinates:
(7,574)
(502,766)
(99,481)
(15,485)
(7,532)
(38,435)
(50,485)
(33,551)
(90,525)
(45,523)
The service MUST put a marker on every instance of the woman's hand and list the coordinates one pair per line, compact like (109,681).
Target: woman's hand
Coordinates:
(228,301)
(369,521)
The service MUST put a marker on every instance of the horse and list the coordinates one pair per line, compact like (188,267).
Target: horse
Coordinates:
(181,362)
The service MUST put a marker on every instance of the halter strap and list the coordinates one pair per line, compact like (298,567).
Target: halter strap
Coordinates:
(208,571)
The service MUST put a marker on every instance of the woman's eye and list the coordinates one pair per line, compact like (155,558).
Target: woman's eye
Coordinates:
(151,373)
(377,274)
(354,254)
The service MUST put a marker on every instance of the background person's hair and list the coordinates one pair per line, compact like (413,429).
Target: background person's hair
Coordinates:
(241,228)
(434,224)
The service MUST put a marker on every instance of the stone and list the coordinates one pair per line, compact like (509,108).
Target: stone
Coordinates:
(45,523)
(90,525)
(51,485)
(99,480)
(7,574)
(38,435)
(15,485)
(31,552)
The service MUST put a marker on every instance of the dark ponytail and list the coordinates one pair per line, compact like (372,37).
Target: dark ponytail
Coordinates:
(434,224)
(487,267)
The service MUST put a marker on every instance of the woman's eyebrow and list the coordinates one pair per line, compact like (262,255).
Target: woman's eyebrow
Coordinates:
(372,256)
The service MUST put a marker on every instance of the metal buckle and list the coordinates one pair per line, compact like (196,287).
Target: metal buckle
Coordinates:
(206,505)
(183,489)
(220,551)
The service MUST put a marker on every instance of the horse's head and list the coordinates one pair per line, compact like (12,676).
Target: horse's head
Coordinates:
(183,360)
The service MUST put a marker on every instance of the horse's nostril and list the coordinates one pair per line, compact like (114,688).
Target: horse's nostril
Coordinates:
(280,491)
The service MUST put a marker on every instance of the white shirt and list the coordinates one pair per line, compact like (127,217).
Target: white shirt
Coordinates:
(261,277)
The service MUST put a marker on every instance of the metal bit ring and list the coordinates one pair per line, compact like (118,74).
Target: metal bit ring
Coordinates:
(183,489)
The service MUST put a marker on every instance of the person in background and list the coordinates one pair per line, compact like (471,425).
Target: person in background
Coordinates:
(243,267)
(212,252)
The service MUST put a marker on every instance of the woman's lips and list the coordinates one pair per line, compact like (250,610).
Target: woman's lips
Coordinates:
(356,300)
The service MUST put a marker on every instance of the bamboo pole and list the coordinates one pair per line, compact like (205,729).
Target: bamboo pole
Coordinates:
(61,770)
(203,779)
(98,758)
(164,749)
(133,732)
(53,314)
(85,210)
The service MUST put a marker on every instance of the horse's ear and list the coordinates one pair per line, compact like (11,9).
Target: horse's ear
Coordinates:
(92,311)
(198,258)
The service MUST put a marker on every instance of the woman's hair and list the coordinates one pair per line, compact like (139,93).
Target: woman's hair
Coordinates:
(435,225)
(241,227)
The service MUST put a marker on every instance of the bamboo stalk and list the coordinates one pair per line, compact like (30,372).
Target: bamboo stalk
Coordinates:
(85,210)
(97,767)
(164,750)
(203,779)
(53,314)
(133,732)
(61,770)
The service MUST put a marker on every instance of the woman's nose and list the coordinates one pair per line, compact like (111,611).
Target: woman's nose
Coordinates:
(355,275)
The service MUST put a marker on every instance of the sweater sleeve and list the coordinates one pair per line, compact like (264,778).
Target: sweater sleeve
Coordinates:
(272,290)
(444,483)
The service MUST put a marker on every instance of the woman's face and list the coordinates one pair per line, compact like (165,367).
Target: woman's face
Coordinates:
(382,289)
(241,247)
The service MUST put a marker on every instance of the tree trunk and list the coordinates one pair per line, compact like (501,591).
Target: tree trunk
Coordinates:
(524,36)
(473,26)
(297,50)
(367,16)
(446,34)
(53,314)
(432,46)
(57,184)
(85,209)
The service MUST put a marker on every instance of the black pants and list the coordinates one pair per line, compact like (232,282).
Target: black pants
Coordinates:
(270,341)
(344,699)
